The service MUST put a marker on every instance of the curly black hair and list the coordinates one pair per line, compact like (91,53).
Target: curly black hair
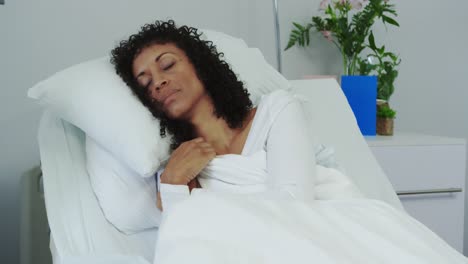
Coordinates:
(230,98)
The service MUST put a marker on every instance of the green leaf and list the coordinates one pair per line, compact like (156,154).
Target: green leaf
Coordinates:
(390,20)
(388,10)
(318,23)
(372,41)
(299,35)
(386,112)
(381,50)
(329,11)
(393,56)
(299,26)
(290,44)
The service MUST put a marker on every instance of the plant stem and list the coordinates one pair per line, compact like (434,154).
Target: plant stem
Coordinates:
(345,62)
(353,64)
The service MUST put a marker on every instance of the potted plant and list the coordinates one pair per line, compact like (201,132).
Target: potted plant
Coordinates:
(347,24)
(383,64)
(385,116)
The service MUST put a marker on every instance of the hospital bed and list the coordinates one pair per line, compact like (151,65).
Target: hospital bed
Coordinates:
(81,234)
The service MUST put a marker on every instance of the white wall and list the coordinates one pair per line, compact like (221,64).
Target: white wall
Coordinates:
(39,38)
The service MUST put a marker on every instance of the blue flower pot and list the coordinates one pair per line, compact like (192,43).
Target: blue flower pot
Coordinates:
(361,92)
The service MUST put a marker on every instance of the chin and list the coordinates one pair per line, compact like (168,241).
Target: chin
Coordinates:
(174,112)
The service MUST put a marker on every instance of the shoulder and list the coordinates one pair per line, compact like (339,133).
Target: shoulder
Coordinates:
(277,99)
(278,103)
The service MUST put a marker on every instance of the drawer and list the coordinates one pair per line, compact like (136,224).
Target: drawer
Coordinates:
(442,213)
(429,167)
(412,168)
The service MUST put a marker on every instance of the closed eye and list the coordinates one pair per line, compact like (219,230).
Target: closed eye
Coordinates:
(147,86)
(168,66)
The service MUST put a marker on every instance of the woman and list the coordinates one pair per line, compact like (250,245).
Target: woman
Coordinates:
(227,145)
(198,99)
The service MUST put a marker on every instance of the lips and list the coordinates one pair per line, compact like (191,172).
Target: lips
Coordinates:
(169,97)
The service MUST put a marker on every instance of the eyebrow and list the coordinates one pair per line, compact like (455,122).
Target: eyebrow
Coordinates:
(157,59)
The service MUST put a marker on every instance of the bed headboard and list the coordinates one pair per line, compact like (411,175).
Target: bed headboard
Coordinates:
(333,124)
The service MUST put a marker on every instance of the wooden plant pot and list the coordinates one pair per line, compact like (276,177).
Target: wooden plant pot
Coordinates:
(384,126)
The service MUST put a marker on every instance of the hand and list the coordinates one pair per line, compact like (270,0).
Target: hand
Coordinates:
(187,161)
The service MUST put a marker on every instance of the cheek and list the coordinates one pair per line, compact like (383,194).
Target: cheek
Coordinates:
(151,94)
(151,99)
(196,85)
(200,89)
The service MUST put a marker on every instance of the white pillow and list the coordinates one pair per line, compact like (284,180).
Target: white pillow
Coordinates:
(127,200)
(91,96)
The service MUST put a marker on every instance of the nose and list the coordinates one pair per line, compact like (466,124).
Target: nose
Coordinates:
(160,84)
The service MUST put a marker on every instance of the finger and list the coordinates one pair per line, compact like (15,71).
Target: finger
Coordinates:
(209,151)
(187,146)
(205,149)
(204,145)
(198,140)
(204,155)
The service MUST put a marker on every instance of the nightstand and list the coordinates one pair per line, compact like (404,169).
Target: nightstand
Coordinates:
(428,173)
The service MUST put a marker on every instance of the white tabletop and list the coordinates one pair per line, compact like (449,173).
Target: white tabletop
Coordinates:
(411,139)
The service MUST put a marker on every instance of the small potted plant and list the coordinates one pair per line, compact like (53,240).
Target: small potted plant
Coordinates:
(385,116)
(347,25)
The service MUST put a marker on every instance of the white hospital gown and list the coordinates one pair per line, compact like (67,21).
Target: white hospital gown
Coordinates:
(277,157)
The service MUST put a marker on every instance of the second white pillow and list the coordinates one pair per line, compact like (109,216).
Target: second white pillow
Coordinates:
(127,200)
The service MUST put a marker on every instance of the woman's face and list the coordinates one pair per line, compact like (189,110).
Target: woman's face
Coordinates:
(170,80)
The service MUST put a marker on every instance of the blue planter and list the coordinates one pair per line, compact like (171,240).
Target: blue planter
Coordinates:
(361,92)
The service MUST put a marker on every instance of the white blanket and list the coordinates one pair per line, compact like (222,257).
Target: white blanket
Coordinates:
(228,228)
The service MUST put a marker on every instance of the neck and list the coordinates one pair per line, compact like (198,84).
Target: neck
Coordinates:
(214,130)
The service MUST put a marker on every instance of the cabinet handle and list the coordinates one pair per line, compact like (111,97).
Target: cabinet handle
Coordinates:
(430,191)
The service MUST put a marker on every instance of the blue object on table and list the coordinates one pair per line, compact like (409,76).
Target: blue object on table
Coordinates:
(361,92)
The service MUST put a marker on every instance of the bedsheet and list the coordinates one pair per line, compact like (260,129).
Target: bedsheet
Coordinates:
(79,230)
(226,228)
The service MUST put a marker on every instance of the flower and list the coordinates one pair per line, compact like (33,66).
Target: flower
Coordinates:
(324,4)
(327,34)
(356,4)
